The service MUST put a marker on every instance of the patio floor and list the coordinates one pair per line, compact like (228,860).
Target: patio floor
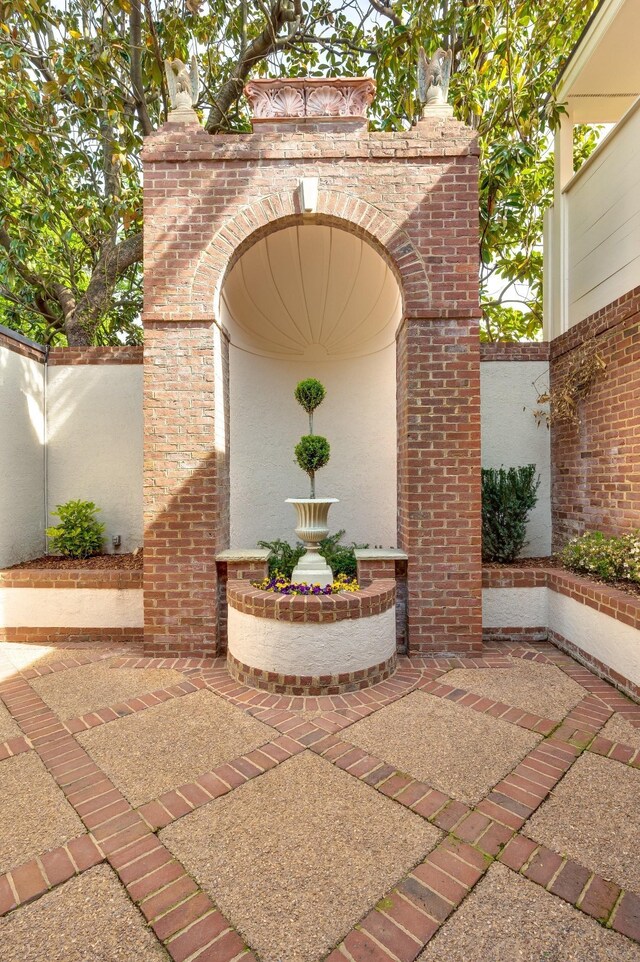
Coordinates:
(467,810)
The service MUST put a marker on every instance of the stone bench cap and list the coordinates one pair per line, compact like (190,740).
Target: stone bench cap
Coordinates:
(380,554)
(243,554)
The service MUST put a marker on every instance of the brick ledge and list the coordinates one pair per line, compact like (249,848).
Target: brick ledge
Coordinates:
(71,578)
(377,597)
(610,601)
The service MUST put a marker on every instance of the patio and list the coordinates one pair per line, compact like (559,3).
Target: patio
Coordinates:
(466,809)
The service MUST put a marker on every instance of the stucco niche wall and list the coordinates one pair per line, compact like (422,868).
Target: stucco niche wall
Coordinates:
(22,438)
(358,418)
(511,437)
(94,431)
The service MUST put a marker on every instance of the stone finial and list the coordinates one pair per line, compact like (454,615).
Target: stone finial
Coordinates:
(433,81)
(183,83)
(316,98)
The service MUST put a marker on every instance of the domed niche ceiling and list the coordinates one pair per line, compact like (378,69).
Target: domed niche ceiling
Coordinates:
(312,292)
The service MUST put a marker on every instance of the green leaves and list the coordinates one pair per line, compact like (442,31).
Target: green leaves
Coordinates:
(507,498)
(312,453)
(79,533)
(71,125)
(310,394)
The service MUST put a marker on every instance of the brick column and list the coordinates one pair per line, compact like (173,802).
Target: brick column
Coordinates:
(439,520)
(186,484)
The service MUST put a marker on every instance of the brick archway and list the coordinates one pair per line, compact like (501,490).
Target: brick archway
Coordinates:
(335,209)
(413,196)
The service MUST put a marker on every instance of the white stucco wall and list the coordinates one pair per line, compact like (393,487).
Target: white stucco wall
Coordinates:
(94,431)
(21,458)
(71,608)
(609,640)
(511,437)
(358,418)
(297,648)
(515,608)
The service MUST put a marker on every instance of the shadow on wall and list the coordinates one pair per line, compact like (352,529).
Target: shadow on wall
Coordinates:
(22,460)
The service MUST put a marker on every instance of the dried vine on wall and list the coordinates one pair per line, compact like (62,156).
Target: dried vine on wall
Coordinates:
(586,367)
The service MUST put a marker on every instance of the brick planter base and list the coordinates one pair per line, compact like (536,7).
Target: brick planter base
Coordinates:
(311,645)
(310,684)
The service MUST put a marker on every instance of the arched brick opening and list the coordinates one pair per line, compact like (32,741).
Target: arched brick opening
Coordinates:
(413,195)
(335,208)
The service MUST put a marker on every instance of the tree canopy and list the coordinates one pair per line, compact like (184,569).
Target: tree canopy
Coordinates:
(82,82)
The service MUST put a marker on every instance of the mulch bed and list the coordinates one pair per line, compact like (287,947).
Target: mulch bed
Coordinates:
(133,560)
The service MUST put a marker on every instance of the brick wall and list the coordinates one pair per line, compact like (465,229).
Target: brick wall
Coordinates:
(109,354)
(186,485)
(595,465)
(413,195)
(439,482)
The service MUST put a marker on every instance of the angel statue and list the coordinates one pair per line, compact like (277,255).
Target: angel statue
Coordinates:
(183,83)
(433,76)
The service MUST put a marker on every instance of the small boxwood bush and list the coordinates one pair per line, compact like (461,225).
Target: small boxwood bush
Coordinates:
(79,534)
(612,559)
(508,495)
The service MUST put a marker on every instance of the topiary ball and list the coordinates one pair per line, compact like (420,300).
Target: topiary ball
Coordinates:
(310,394)
(312,452)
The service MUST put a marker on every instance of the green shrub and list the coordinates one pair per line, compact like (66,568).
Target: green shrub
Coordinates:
(507,498)
(612,559)
(312,451)
(310,394)
(79,533)
(340,558)
(283,557)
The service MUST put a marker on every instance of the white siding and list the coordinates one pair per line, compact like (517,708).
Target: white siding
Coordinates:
(604,222)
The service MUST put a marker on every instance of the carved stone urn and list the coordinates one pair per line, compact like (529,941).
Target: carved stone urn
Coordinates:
(311,528)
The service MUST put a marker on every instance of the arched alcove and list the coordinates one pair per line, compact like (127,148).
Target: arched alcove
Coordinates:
(312,300)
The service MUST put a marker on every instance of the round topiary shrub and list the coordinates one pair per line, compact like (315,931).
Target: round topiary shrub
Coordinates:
(312,450)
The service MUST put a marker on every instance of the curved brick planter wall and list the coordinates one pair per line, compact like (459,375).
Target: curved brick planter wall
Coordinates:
(311,645)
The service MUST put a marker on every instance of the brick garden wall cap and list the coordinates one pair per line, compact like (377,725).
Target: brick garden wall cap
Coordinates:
(377,597)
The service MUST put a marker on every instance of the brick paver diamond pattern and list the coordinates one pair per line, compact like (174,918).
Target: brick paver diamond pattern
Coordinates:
(386,825)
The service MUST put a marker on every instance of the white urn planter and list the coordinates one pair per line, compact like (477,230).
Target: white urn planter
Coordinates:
(311,528)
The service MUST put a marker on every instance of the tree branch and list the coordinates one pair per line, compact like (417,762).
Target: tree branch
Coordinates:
(260,47)
(113,262)
(135,25)
(386,11)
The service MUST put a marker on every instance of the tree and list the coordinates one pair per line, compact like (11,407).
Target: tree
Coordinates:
(82,82)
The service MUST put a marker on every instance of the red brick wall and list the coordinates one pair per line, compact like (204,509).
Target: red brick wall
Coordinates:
(413,195)
(439,482)
(186,486)
(596,464)
(109,354)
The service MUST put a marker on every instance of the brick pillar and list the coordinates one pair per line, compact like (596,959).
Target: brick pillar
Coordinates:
(186,484)
(439,521)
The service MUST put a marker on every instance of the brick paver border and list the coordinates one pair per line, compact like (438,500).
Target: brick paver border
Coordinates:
(186,921)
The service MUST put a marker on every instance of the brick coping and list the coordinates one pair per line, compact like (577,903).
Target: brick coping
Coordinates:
(338,684)
(377,597)
(610,601)
(71,578)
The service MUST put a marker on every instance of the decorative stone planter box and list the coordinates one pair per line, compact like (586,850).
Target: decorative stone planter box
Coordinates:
(594,623)
(311,645)
(71,605)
